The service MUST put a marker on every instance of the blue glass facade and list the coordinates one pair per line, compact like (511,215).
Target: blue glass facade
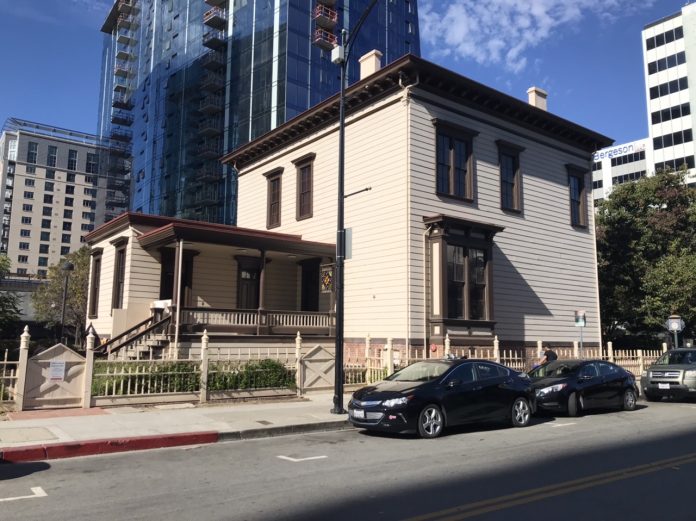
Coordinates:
(184,81)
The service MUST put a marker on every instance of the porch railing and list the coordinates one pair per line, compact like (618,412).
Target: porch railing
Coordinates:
(257,321)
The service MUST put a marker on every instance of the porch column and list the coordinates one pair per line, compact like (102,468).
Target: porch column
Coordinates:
(176,297)
(262,320)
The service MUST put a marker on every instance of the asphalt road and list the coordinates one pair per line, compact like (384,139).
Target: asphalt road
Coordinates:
(637,465)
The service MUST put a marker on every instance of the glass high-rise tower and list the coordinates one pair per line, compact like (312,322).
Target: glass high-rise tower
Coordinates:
(185,81)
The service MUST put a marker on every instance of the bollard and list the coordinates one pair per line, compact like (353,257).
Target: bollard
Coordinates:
(89,373)
(22,369)
(204,367)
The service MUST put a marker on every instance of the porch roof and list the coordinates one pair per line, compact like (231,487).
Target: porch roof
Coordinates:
(167,230)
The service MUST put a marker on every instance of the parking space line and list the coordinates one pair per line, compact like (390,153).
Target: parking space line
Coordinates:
(563,424)
(36,492)
(298,460)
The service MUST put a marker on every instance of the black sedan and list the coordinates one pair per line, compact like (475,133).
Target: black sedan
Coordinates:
(428,396)
(573,386)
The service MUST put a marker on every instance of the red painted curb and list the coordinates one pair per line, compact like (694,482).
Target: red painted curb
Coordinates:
(104,446)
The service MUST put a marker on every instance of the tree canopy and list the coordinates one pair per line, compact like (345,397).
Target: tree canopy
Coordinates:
(646,253)
(9,301)
(48,300)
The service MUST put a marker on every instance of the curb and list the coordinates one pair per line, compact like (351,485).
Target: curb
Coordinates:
(112,445)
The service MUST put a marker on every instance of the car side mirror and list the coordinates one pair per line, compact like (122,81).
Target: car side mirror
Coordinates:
(453,383)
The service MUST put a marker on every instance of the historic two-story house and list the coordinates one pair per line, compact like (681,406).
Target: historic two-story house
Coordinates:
(468,214)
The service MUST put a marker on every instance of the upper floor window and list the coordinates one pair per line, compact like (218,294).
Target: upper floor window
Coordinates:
(578,196)
(52,155)
(91,167)
(72,159)
(304,186)
(274,193)
(455,173)
(32,152)
(510,176)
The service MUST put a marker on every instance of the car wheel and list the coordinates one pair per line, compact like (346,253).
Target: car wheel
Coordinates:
(573,405)
(521,412)
(652,397)
(629,400)
(430,422)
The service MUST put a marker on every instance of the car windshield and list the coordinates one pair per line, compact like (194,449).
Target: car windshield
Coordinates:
(556,368)
(421,372)
(677,357)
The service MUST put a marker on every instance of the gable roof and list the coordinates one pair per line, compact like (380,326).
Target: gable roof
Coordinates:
(413,71)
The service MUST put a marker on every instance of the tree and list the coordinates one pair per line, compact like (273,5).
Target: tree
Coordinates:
(9,301)
(48,300)
(645,235)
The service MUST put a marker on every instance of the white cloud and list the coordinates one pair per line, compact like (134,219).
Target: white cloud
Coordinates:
(503,31)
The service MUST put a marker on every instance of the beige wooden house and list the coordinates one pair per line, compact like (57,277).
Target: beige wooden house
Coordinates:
(469,212)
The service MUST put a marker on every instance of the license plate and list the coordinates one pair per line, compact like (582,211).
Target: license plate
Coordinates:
(358,413)
(663,386)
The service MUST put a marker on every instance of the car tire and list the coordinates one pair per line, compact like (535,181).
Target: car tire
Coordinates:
(573,405)
(629,400)
(521,412)
(431,422)
(652,397)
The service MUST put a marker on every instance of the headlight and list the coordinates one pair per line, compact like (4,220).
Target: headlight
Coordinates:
(689,374)
(396,402)
(552,389)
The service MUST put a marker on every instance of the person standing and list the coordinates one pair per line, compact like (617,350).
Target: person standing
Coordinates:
(549,356)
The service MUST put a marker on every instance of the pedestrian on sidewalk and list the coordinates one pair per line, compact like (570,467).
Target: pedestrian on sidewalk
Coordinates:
(549,356)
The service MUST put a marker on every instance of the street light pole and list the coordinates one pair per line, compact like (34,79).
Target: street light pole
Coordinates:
(341,58)
(67,267)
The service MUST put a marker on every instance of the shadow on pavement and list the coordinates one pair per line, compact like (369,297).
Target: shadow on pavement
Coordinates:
(19,470)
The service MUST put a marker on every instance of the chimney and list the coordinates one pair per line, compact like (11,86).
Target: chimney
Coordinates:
(537,97)
(370,63)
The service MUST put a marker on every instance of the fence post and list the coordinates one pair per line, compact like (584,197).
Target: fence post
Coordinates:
(496,348)
(89,373)
(298,363)
(610,351)
(204,366)
(576,350)
(664,347)
(388,359)
(448,346)
(539,350)
(641,362)
(22,369)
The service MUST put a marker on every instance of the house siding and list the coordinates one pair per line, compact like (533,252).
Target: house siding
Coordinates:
(214,279)
(543,268)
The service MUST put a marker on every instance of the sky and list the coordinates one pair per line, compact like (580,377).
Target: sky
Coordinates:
(586,54)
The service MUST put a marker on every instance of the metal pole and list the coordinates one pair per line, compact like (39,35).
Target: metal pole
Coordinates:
(676,339)
(62,309)
(340,246)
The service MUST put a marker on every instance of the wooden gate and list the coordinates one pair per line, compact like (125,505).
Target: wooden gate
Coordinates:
(54,379)
(317,369)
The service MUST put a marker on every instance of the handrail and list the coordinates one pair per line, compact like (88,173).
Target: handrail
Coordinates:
(138,336)
(105,345)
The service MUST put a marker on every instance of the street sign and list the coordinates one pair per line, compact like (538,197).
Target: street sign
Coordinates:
(580,320)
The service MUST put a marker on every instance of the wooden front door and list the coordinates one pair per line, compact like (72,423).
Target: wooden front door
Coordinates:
(248,288)
(310,285)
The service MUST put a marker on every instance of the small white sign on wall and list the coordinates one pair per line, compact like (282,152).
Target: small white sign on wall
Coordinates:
(57,371)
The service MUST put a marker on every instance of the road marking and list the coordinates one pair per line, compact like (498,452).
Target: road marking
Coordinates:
(37,492)
(536,494)
(563,424)
(298,460)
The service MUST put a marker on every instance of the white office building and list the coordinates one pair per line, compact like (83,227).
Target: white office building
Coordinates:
(669,56)
(619,164)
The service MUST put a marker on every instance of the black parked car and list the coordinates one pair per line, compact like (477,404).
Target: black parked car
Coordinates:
(572,386)
(428,396)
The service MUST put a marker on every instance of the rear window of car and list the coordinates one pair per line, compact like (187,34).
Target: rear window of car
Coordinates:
(677,357)
(490,371)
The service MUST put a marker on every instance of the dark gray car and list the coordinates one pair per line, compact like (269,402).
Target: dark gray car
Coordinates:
(673,375)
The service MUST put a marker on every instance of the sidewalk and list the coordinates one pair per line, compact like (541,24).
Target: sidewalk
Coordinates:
(51,434)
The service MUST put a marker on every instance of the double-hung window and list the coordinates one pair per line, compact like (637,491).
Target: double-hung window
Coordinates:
(578,196)
(119,274)
(305,181)
(510,176)
(274,179)
(93,307)
(455,162)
